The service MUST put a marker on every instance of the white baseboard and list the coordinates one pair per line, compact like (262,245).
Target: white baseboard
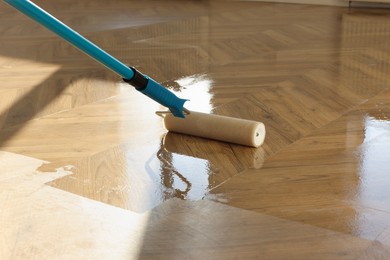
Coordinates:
(367,4)
(344,3)
(312,2)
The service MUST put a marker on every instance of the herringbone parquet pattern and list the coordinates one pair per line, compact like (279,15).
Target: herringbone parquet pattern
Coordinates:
(85,162)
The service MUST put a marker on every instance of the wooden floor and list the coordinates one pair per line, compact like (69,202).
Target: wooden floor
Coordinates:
(87,170)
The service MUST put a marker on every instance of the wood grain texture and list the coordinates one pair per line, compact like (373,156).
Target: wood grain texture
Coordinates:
(87,169)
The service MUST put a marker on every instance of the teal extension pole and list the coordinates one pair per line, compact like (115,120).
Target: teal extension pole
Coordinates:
(141,82)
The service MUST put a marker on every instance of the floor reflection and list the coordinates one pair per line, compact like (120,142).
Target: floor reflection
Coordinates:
(364,51)
(374,170)
(192,185)
(190,172)
(196,88)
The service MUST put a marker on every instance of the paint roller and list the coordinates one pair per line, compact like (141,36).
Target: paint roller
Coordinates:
(179,119)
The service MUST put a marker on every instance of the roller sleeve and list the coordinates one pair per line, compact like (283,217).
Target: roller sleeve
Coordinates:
(222,128)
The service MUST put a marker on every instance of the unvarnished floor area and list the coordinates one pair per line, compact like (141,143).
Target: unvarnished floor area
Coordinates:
(87,170)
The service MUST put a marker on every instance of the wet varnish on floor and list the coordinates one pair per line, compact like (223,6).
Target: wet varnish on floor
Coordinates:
(87,170)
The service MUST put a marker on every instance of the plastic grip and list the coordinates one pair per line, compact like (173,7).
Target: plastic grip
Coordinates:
(163,96)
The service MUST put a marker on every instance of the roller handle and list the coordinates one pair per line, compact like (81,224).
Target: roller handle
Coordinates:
(152,89)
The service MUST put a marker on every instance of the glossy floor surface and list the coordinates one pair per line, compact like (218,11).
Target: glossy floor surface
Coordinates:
(87,170)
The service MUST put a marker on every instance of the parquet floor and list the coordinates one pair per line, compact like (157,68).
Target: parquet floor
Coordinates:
(87,170)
